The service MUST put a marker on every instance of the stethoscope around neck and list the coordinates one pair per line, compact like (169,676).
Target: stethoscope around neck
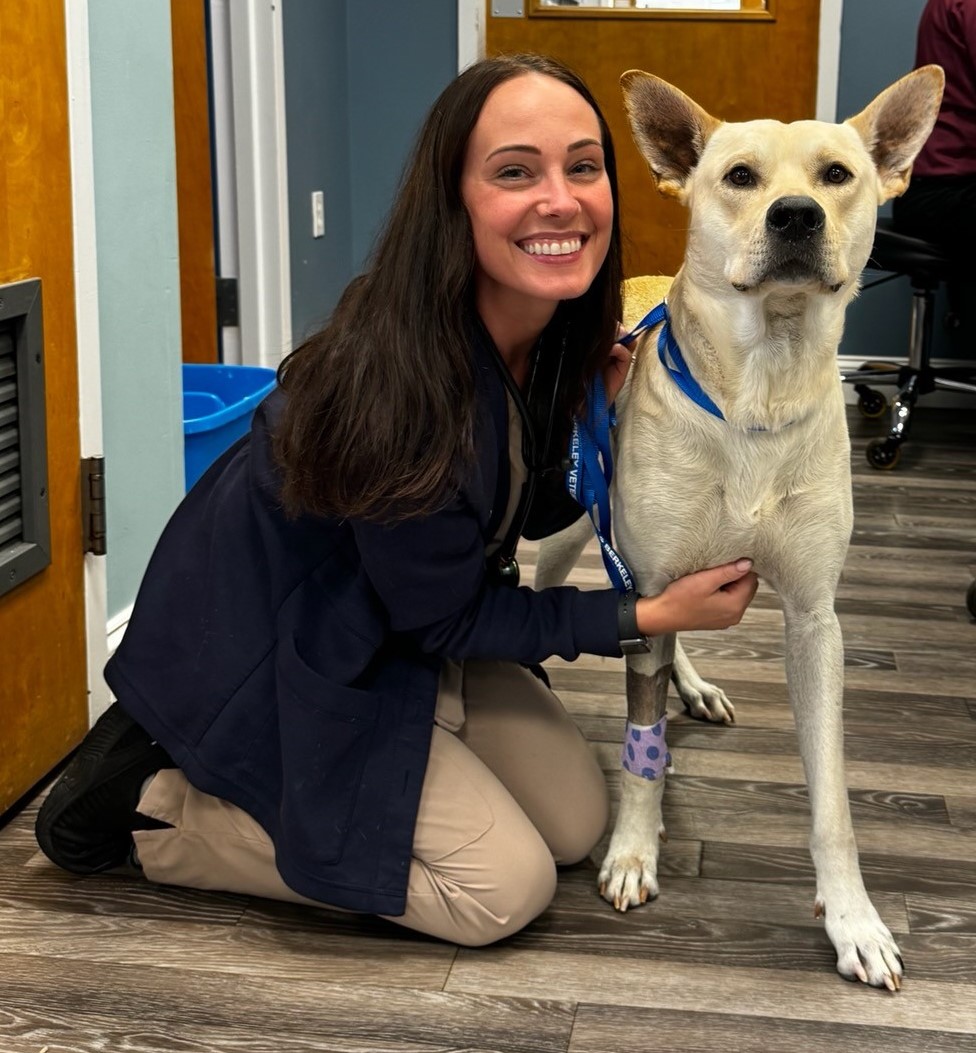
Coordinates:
(502,567)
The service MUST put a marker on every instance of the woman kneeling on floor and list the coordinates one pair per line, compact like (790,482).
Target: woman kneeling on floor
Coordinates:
(328,691)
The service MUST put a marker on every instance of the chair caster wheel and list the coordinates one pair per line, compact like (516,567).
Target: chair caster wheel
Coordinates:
(883,454)
(871,404)
(971,599)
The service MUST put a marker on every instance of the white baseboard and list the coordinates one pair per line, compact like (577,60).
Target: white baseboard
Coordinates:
(116,627)
(940,398)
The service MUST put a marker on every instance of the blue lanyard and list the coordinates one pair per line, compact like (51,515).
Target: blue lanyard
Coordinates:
(589,475)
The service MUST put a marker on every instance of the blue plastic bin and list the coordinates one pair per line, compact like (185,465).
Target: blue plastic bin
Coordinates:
(218,403)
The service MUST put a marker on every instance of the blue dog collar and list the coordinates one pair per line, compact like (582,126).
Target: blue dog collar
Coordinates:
(671,358)
(673,361)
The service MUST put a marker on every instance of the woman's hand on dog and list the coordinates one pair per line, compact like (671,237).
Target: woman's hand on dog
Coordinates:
(708,599)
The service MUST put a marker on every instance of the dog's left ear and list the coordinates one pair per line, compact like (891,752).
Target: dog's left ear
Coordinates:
(669,128)
(895,126)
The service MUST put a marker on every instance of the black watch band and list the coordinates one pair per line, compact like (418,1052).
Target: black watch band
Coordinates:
(632,641)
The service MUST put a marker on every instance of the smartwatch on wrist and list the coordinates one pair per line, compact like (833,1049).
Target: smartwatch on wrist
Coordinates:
(632,641)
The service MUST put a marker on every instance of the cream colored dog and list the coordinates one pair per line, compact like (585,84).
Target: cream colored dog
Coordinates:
(782,222)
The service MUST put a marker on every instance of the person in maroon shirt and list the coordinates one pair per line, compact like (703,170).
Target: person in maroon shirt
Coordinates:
(940,203)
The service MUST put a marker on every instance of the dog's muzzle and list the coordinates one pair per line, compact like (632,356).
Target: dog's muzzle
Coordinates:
(795,243)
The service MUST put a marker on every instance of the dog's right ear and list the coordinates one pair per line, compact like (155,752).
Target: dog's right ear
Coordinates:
(670,129)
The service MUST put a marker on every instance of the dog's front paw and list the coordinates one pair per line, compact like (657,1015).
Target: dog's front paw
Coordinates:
(628,876)
(705,701)
(866,950)
(629,880)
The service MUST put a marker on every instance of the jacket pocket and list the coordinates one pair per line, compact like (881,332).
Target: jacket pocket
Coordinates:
(325,730)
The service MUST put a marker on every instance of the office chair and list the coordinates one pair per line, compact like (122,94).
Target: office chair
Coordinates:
(927,267)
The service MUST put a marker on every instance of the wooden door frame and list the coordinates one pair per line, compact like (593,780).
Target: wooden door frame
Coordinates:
(86,321)
(471,47)
(828,59)
(251,169)
(471,32)
(194,183)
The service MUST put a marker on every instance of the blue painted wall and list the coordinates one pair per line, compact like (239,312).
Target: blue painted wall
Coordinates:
(401,56)
(360,76)
(317,118)
(138,280)
(878,47)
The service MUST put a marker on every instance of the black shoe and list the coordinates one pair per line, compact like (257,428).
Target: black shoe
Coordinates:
(85,824)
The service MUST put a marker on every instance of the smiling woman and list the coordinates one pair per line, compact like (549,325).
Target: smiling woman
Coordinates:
(538,196)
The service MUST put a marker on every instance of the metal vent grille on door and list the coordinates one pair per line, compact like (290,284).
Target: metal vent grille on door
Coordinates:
(25,532)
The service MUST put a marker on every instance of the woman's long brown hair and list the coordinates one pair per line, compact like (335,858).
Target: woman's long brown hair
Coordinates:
(379,417)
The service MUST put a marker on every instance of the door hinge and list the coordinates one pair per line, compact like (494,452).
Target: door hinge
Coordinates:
(228,312)
(93,505)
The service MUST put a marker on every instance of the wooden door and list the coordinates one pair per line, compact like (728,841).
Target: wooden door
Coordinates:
(43,680)
(760,62)
(194,193)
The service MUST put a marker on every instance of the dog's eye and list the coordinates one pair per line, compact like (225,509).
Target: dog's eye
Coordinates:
(837,174)
(740,176)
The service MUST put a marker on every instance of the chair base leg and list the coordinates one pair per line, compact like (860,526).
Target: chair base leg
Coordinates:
(884,454)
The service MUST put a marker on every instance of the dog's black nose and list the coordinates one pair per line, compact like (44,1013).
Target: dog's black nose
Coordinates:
(795,218)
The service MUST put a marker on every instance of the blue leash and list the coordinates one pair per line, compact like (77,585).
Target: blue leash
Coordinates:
(591,458)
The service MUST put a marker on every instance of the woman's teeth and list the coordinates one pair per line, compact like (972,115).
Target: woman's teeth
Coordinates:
(552,248)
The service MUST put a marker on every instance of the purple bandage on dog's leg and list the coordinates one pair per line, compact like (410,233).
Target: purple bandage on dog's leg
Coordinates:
(645,751)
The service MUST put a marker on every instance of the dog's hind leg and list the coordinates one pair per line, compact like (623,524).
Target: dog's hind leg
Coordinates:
(628,876)
(559,552)
(704,701)
(814,664)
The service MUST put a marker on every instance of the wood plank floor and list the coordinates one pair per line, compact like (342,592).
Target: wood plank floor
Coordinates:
(729,958)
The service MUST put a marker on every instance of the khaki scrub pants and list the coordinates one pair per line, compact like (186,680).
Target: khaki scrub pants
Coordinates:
(511,790)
